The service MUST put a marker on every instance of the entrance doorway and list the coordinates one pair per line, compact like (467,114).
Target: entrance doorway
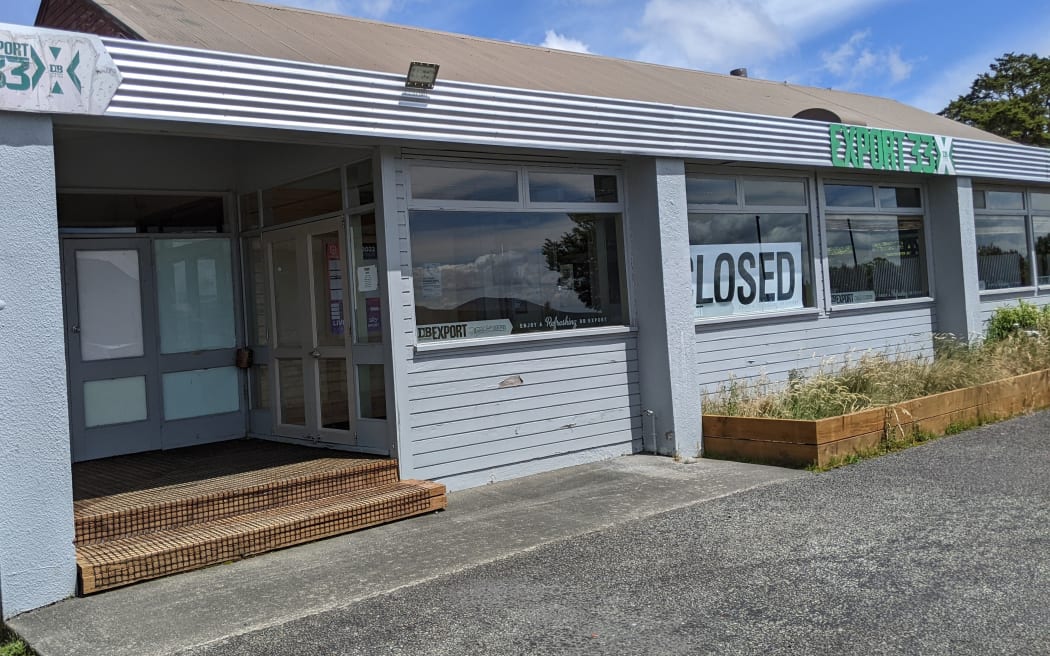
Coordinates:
(151,338)
(310,355)
(315,363)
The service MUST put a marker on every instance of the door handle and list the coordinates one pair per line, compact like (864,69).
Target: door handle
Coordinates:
(315,353)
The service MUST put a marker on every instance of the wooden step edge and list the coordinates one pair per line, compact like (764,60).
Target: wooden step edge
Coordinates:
(96,572)
(435,489)
(242,479)
(92,528)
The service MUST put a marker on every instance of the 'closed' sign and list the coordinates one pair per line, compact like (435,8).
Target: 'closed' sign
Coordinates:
(737,278)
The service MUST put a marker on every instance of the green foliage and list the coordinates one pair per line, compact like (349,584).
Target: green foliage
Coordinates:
(10,645)
(1007,321)
(1013,100)
(886,446)
(16,648)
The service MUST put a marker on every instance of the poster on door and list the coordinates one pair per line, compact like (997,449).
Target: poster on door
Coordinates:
(373,317)
(335,288)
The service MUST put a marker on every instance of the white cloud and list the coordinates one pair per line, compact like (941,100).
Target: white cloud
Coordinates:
(562,42)
(900,70)
(516,274)
(721,34)
(838,60)
(854,61)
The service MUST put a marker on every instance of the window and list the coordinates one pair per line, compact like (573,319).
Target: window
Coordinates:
(549,263)
(749,240)
(1001,227)
(463,184)
(1041,233)
(876,243)
(139,213)
(317,195)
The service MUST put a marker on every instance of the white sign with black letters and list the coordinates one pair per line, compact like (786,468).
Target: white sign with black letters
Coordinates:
(740,278)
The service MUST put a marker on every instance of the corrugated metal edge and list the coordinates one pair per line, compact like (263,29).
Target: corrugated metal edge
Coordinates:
(176,83)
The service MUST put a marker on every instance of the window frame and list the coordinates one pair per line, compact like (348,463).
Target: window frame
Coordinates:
(522,205)
(1032,287)
(813,233)
(876,210)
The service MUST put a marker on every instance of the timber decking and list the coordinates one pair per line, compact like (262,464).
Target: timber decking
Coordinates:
(148,515)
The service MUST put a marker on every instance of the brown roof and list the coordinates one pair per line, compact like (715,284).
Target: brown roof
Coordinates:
(295,34)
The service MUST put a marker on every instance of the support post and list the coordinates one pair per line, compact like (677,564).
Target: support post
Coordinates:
(658,225)
(954,247)
(37,560)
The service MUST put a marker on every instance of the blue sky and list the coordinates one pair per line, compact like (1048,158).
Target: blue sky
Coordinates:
(922,52)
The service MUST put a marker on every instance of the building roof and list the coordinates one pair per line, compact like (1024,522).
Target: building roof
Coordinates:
(294,34)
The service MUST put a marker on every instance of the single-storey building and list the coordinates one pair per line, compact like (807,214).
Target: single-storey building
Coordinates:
(226,219)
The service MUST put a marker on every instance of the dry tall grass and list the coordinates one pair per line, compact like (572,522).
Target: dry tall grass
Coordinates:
(876,379)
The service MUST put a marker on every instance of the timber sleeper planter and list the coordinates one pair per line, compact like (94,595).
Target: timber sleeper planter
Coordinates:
(801,442)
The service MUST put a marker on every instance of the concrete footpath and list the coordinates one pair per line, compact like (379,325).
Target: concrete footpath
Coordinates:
(193,611)
(942,549)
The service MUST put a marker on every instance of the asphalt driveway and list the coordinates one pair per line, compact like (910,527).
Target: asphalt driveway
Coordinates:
(941,549)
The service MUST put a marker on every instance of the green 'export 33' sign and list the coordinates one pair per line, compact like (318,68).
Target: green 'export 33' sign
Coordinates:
(854,146)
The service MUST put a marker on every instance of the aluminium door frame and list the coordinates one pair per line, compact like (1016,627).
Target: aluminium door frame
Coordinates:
(130,435)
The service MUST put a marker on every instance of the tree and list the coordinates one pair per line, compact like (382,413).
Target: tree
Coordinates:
(574,250)
(1013,100)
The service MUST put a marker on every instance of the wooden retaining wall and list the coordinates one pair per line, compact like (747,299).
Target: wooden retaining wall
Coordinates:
(805,442)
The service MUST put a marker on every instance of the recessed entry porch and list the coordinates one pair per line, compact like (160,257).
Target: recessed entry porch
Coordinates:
(219,289)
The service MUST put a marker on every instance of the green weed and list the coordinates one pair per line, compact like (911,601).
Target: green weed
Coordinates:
(886,446)
(11,645)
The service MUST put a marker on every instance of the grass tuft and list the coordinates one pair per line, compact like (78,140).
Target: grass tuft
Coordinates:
(11,645)
(886,446)
(876,379)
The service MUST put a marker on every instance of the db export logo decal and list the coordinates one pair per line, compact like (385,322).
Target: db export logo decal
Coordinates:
(21,68)
(54,72)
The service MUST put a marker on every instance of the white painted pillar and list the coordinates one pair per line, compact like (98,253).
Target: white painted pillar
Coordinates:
(662,290)
(37,561)
(391,223)
(954,248)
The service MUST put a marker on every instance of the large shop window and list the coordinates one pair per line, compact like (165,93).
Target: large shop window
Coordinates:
(1004,252)
(552,261)
(876,243)
(749,240)
(1041,233)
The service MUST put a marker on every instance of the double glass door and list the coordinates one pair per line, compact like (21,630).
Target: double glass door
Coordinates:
(311,349)
(151,342)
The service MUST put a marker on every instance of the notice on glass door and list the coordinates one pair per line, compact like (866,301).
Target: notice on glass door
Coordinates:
(368,278)
(335,289)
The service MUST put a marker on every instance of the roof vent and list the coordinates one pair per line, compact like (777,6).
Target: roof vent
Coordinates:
(819,114)
(738,72)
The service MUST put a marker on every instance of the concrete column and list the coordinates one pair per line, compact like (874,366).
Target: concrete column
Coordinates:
(37,561)
(662,290)
(954,247)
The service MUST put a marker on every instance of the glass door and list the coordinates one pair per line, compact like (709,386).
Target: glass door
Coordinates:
(113,393)
(310,356)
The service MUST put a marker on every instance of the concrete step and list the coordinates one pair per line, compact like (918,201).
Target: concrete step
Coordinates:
(122,561)
(144,511)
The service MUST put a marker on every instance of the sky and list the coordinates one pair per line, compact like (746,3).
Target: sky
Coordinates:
(921,52)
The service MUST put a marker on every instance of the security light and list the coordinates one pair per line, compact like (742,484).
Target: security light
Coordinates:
(421,75)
